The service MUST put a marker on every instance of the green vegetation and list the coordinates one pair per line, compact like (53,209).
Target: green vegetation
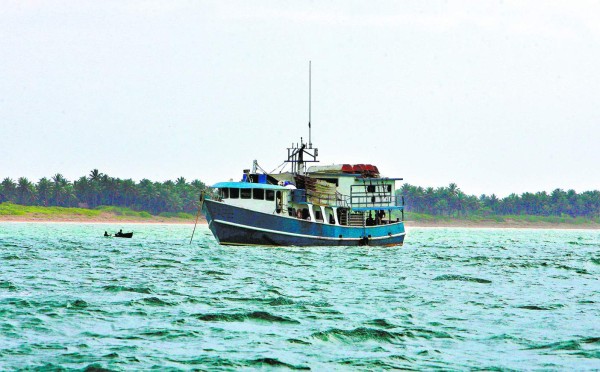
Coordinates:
(97,192)
(125,197)
(526,219)
(10,209)
(445,203)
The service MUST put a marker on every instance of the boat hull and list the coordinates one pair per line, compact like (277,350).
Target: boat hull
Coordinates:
(233,225)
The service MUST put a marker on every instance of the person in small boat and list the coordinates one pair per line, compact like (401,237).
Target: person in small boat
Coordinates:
(120,233)
(106,233)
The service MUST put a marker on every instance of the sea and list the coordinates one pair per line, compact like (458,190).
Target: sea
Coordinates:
(449,299)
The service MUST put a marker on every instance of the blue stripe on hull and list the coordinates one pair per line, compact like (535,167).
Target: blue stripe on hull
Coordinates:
(239,226)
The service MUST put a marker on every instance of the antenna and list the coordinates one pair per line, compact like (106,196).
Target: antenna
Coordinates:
(309,99)
(300,154)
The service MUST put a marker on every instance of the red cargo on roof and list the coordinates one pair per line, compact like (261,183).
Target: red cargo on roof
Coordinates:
(359,168)
(347,168)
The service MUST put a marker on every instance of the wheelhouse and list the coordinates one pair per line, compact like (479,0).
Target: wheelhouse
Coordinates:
(260,197)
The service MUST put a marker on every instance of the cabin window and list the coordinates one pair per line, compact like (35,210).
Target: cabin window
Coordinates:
(234,193)
(258,194)
(278,202)
(225,193)
(246,193)
(370,188)
(270,195)
(318,216)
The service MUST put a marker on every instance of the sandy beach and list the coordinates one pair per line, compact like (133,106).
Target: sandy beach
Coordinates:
(102,218)
(109,218)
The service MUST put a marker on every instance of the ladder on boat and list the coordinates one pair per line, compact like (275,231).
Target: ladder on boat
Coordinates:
(343,218)
(356,219)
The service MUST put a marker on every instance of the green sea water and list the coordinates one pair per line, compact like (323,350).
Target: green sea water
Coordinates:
(451,299)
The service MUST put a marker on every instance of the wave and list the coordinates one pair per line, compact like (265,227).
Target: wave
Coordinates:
(272,362)
(299,342)
(16,302)
(119,288)
(380,323)
(540,308)
(577,270)
(569,345)
(462,278)
(367,334)
(77,304)
(281,301)
(152,301)
(380,364)
(359,334)
(272,301)
(240,317)
(212,361)
(168,334)
(214,272)
(7,284)
(11,257)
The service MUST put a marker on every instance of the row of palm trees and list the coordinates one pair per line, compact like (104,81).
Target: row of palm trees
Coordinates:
(451,201)
(98,189)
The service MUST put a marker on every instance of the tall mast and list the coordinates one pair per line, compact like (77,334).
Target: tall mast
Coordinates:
(303,153)
(309,101)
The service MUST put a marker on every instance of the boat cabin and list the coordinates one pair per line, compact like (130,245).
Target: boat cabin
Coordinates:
(259,197)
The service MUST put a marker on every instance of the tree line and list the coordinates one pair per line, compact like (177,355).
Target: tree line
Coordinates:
(451,201)
(98,189)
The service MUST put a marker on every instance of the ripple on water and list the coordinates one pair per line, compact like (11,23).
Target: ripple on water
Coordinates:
(240,317)
(360,334)
(273,362)
(151,301)
(541,307)
(462,278)
(120,288)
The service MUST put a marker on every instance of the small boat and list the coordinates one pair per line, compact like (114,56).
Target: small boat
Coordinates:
(124,235)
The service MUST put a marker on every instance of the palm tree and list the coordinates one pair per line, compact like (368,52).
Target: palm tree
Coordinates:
(25,191)
(9,190)
(59,184)
(82,190)
(95,175)
(129,191)
(44,187)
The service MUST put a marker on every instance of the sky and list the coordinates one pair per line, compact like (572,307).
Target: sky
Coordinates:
(496,96)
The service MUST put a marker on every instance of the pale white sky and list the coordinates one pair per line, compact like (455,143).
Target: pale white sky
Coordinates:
(497,97)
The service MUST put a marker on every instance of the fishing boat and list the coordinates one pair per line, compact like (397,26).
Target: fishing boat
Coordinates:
(333,205)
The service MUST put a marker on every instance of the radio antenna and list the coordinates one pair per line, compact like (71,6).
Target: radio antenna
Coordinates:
(309,100)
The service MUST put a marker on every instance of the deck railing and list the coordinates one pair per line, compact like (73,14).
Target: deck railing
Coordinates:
(366,200)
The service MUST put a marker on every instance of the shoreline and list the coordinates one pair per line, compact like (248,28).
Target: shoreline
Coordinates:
(113,219)
(501,225)
(102,219)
